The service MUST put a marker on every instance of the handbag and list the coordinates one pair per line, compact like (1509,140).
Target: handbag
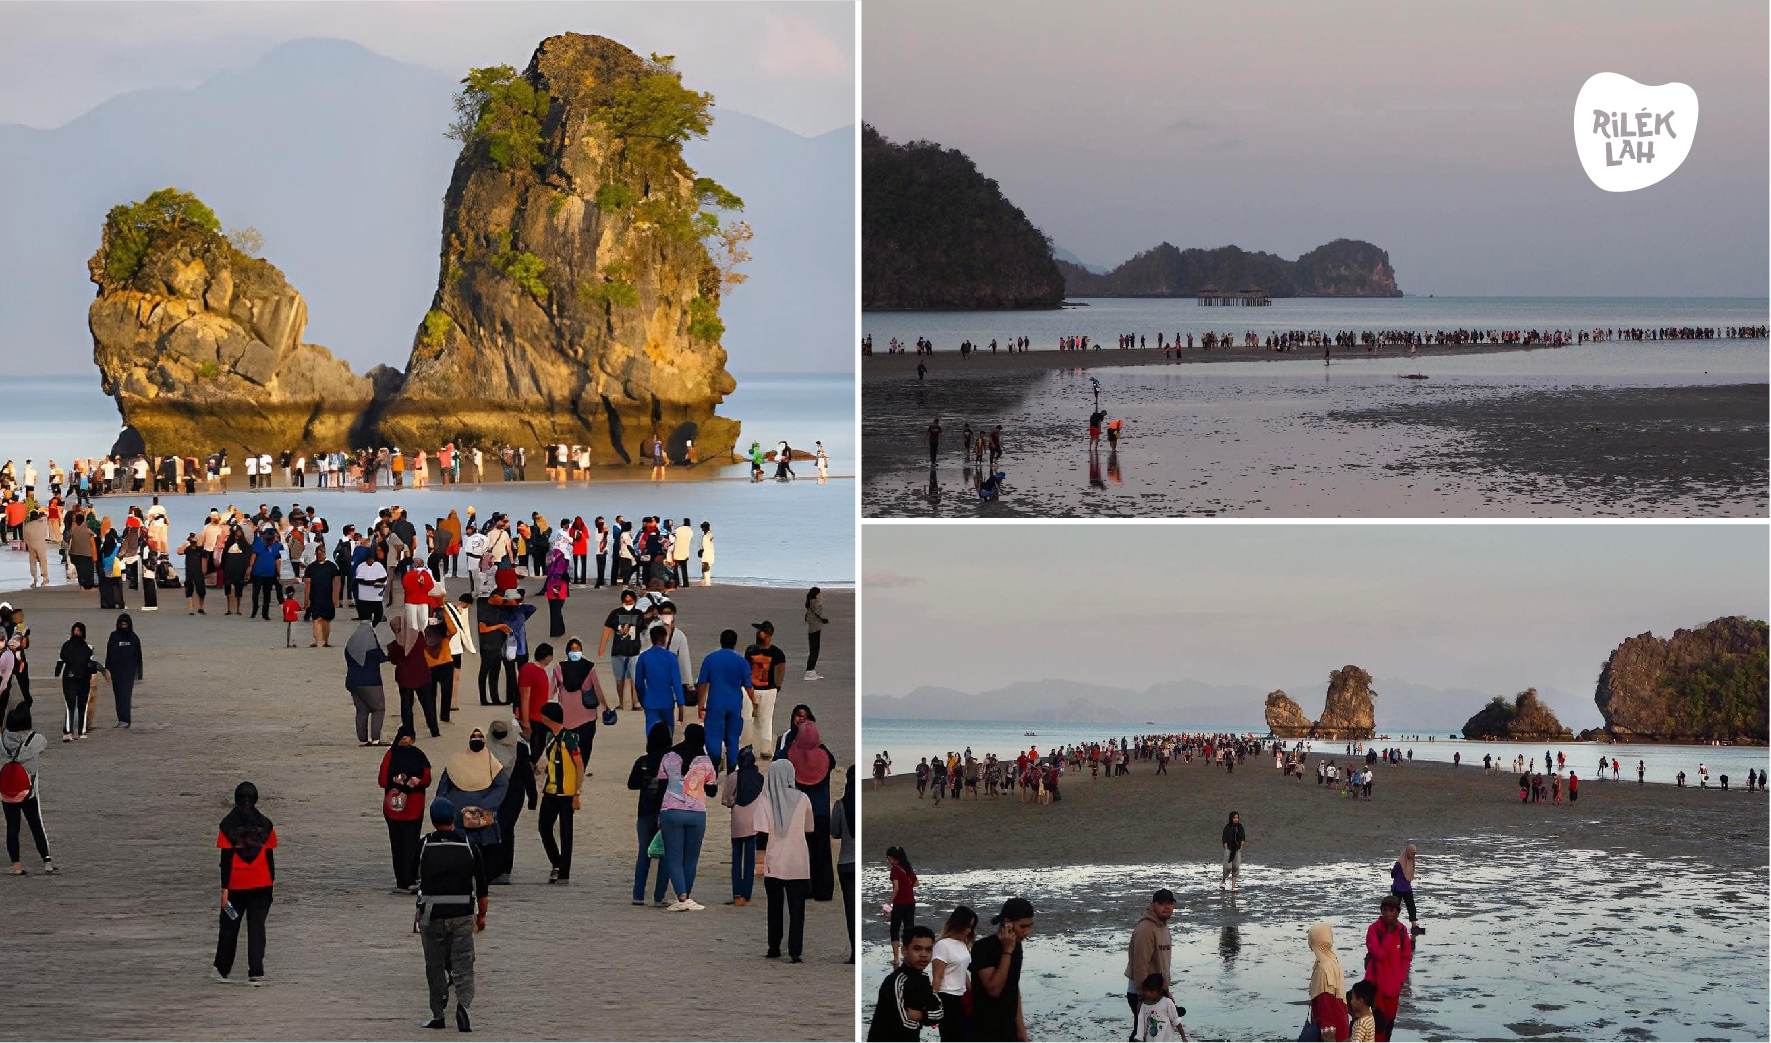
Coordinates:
(476,818)
(510,649)
(1310,1033)
(656,848)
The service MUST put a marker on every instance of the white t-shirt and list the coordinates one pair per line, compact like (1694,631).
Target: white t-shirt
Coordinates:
(957,959)
(1159,1020)
(369,571)
(252,466)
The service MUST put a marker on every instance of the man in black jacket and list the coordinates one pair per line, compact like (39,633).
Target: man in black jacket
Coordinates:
(907,1000)
(452,902)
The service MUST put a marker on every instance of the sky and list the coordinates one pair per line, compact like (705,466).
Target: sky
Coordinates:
(1440,132)
(1495,608)
(793,66)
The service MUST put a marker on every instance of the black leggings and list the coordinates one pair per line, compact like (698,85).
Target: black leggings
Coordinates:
(442,682)
(28,811)
(813,640)
(491,665)
(427,701)
(793,894)
(1408,900)
(903,918)
(846,874)
(74,691)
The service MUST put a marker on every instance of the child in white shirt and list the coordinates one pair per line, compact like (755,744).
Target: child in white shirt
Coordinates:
(1158,1017)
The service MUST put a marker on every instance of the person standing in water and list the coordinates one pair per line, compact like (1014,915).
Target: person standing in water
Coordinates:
(1388,952)
(1235,838)
(996,975)
(248,843)
(1402,886)
(1328,994)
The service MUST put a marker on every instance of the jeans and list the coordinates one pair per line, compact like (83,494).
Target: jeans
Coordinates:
(253,905)
(683,831)
(743,866)
(263,593)
(724,728)
(560,855)
(1232,866)
(665,716)
(645,827)
(787,896)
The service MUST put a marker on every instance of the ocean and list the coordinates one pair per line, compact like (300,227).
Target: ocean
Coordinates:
(774,534)
(910,740)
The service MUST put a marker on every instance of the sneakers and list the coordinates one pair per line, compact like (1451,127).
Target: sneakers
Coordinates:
(684,905)
(256,981)
(693,905)
(219,978)
(813,675)
(50,868)
(434,1023)
(461,1019)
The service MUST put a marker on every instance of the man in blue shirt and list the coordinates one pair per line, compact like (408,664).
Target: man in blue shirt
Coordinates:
(723,685)
(266,551)
(658,682)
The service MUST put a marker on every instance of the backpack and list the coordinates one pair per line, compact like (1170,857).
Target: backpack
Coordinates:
(15,781)
(562,779)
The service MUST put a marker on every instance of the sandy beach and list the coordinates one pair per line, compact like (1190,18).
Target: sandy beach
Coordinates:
(119,945)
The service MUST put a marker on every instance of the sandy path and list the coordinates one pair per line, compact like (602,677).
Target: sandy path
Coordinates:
(119,945)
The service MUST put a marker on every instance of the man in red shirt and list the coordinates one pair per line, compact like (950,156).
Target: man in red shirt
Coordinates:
(533,689)
(1389,949)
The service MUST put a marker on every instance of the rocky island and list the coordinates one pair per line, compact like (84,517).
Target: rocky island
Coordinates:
(1525,719)
(1342,268)
(578,294)
(939,234)
(1347,712)
(1703,685)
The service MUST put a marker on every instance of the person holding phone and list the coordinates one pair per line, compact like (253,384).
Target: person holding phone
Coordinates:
(996,975)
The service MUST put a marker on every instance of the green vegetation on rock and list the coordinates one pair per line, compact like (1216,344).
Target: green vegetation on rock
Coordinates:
(437,325)
(525,269)
(500,111)
(130,228)
(614,196)
(704,323)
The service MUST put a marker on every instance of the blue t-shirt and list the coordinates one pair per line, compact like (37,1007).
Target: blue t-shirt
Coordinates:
(726,674)
(267,554)
(657,680)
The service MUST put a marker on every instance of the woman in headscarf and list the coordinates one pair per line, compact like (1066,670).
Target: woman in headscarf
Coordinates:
(248,844)
(1402,884)
(842,827)
(1328,994)
(236,559)
(742,786)
(110,566)
(511,748)
(575,687)
(688,780)
(556,589)
(451,527)
(786,823)
(404,776)
(644,778)
(784,742)
(123,665)
(813,765)
(76,668)
(476,783)
(362,679)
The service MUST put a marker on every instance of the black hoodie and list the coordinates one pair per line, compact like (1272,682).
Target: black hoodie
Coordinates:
(123,651)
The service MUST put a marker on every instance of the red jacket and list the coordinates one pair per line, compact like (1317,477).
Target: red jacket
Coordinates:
(1389,949)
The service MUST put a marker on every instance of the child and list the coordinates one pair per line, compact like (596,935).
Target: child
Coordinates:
(1158,1017)
(291,613)
(1361,998)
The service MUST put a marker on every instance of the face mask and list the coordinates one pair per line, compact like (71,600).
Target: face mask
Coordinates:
(476,745)
(575,656)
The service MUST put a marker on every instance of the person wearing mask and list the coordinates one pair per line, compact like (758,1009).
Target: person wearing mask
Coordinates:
(785,825)
(813,764)
(1388,952)
(842,828)
(511,748)
(475,783)
(689,780)
(645,779)
(951,971)
(723,693)
(453,899)
(676,640)
(658,682)
(248,843)
(996,974)
(371,582)
(409,654)
(556,589)
(20,745)
(563,774)
(907,999)
(739,791)
(1149,952)
(1328,993)
(621,640)
(574,686)
(362,679)
(76,667)
(768,668)
(404,776)
(123,665)
(815,622)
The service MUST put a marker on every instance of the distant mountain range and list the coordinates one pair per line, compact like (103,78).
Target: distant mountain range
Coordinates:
(336,154)
(1343,268)
(1401,705)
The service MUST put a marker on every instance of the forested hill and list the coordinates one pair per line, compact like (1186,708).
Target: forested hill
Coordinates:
(1343,268)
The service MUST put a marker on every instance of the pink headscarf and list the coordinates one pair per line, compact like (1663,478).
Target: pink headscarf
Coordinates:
(810,764)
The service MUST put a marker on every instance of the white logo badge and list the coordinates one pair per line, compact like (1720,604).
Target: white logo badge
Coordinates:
(1630,135)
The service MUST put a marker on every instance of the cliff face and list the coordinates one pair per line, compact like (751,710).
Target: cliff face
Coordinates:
(1698,685)
(576,298)
(940,234)
(200,343)
(1343,268)
(1347,711)
(1525,719)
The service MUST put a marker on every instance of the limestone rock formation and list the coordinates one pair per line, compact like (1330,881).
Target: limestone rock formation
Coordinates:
(1347,712)
(1342,268)
(576,300)
(1696,686)
(200,343)
(1285,718)
(940,234)
(1525,719)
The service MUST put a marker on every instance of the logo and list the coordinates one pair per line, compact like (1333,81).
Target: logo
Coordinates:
(1631,135)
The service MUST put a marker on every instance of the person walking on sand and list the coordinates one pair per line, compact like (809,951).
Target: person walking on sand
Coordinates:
(363,659)
(842,829)
(561,772)
(76,667)
(815,623)
(741,793)
(1149,951)
(786,824)
(724,694)
(1402,885)
(643,779)
(1388,952)
(1235,838)
(248,843)
(1328,994)
(453,899)
(123,665)
(689,779)
(404,776)
(706,553)
(768,669)
(20,783)
(934,433)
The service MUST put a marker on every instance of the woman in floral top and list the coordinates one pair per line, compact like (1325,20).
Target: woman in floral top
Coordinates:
(689,780)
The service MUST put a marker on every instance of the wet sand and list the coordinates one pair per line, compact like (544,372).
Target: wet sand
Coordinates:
(119,945)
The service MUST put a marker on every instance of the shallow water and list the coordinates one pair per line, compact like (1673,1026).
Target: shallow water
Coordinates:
(1522,943)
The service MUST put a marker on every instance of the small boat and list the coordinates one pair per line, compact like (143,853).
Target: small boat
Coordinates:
(1029,733)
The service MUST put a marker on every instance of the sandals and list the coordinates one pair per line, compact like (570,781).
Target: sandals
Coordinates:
(17,871)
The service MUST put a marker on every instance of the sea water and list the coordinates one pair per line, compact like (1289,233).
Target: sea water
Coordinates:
(910,740)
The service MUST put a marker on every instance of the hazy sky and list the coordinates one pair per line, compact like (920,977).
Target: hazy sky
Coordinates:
(1497,608)
(59,59)
(1441,132)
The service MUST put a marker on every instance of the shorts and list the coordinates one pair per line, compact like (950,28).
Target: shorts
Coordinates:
(1094,432)
(623,666)
(903,918)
